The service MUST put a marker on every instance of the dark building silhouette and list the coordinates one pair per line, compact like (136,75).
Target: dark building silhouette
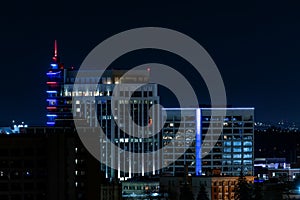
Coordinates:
(47,163)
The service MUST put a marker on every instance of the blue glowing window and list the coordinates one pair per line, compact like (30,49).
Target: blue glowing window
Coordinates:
(248,149)
(226,144)
(237,143)
(247,143)
(237,155)
(237,149)
(237,162)
(226,155)
(247,162)
(247,155)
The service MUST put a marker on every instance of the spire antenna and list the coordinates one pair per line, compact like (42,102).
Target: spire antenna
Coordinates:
(55,48)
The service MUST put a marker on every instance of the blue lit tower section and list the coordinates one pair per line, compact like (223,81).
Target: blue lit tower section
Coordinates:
(58,108)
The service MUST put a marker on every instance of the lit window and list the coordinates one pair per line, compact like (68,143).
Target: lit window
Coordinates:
(108,80)
(237,143)
(77,102)
(247,155)
(237,150)
(248,149)
(248,162)
(237,162)
(227,143)
(247,143)
(116,80)
(226,155)
(237,155)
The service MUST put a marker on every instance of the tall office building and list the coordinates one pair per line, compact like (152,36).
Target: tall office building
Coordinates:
(125,118)
(229,149)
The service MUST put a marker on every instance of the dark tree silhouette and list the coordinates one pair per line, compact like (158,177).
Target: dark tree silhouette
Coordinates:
(258,194)
(243,190)
(186,193)
(202,195)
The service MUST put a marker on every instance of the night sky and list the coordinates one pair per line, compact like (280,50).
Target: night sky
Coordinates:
(255,46)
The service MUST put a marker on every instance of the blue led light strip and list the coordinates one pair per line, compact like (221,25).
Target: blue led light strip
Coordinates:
(198,142)
(50,123)
(50,115)
(51,91)
(53,73)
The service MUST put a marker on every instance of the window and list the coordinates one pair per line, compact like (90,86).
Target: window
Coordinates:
(247,155)
(226,155)
(247,143)
(237,155)
(237,150)
(248,162)
(237,162)
(237,143)
(248,149)
(227,143)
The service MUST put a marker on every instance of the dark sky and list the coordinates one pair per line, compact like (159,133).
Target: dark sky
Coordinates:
(256,47)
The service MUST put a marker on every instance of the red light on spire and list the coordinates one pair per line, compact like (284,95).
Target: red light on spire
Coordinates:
(55,48)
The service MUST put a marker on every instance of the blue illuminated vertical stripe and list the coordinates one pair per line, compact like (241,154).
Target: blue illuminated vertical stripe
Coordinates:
(198,142)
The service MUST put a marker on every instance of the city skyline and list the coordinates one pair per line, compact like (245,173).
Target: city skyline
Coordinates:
(144,100)
(242,42)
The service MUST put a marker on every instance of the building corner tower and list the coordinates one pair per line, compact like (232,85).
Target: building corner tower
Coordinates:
(58,106)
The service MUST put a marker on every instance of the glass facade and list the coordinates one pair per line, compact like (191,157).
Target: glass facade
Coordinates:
(232,150)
